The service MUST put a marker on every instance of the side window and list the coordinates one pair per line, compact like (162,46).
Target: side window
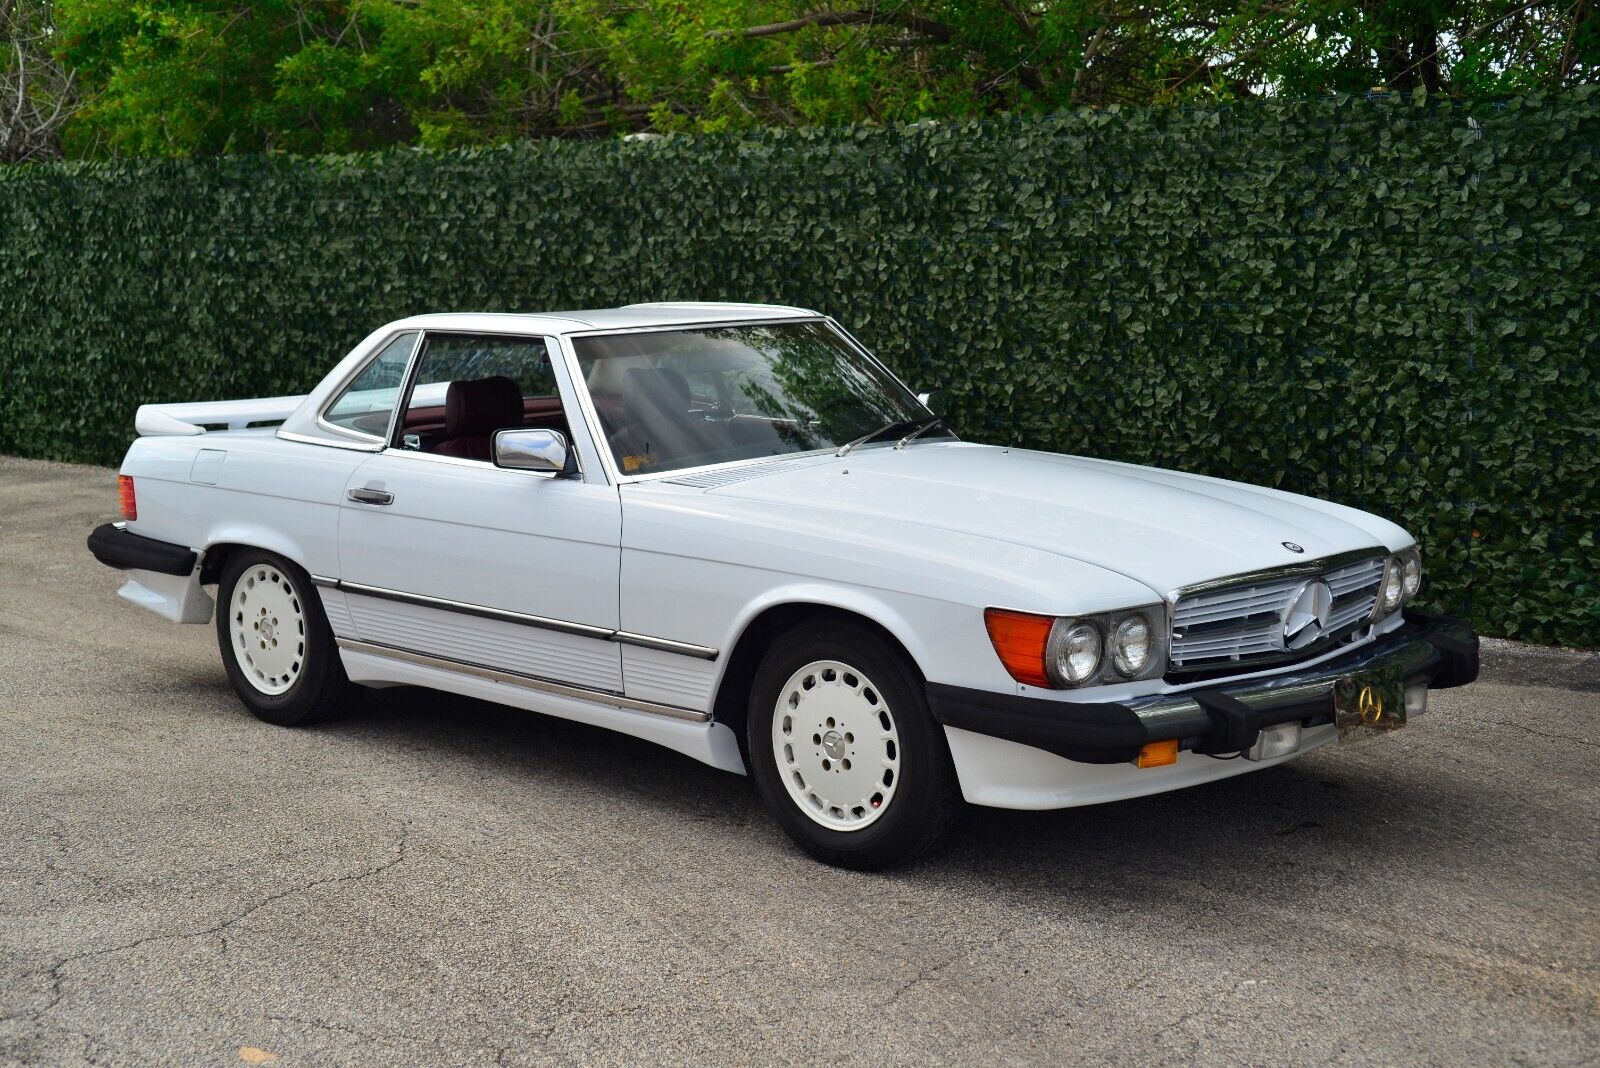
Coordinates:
(368,401)
(469,386)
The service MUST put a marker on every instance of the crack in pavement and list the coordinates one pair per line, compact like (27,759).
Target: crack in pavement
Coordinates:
(56,971)
(1546,734)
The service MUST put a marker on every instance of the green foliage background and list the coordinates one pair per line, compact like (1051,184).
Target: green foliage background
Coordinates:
(1390,303)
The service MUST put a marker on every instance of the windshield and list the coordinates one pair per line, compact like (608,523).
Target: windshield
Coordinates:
(671,399)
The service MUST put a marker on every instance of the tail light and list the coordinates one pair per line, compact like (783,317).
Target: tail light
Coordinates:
(125,499)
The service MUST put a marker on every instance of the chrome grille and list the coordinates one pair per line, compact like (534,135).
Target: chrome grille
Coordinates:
(1236,623)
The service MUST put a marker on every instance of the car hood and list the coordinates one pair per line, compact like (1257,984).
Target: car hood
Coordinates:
(1165,529)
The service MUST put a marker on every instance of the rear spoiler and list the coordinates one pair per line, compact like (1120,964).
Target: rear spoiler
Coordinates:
(168,419)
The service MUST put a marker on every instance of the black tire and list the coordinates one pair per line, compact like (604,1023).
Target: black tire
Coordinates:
(320,689)
(925,796)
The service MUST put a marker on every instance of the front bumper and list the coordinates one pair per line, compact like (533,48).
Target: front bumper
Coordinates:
(1437,651)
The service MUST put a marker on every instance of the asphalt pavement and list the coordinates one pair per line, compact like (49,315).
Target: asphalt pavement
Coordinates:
(434,880)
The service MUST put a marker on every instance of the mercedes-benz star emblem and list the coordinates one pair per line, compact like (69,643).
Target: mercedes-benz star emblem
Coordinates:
(1307,615)
(1292,547)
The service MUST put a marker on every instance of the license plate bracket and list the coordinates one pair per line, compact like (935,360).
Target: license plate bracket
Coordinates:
(1369,702)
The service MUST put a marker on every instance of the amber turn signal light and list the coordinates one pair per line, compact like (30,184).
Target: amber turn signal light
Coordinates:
(1158,754)
(1019,639)
(126,503)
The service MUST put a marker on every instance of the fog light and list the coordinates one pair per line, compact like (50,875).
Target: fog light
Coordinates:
(1275,741)
(1416,700)
(1158,754)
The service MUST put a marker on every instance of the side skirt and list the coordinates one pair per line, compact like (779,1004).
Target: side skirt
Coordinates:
(685,730)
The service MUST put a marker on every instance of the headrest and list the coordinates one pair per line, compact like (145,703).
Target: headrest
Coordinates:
(482,406)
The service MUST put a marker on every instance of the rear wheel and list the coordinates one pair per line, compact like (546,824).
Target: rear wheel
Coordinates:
(276,644)
(844,751)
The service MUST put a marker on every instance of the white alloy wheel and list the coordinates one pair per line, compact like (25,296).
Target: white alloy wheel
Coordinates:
(836,745)
(267,629)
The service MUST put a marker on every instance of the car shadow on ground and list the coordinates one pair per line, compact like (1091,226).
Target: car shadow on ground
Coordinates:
(1273,832)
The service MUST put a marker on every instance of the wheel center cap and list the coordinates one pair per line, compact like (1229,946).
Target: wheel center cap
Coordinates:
(833,745)
(266,630)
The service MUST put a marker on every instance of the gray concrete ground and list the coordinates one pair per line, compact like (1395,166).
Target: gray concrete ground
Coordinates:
(438,881)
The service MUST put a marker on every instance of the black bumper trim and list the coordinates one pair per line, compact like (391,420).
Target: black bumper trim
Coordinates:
(120,548)
(1210,719)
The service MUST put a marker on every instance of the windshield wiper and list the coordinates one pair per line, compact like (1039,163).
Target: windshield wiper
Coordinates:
(927,425)
(844,450)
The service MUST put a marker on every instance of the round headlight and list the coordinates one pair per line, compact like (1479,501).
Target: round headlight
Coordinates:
(1077,653)
(1130,646)
(1411,577)
(1393,585)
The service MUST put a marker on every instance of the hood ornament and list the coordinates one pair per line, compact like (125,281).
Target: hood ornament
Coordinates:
(1292,547)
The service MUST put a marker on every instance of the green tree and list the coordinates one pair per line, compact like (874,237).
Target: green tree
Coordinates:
(36,93)
(191,77)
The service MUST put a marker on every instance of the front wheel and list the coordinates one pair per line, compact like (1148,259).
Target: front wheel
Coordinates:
(843,748)
(276,644)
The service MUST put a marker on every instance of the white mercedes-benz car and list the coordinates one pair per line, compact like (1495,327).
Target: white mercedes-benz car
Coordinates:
(730,530)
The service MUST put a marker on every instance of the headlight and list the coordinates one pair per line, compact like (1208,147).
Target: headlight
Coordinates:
(1072,655)
(1411,576)
(1402,578)
(1393,586)
(1130,646)
(1063,652)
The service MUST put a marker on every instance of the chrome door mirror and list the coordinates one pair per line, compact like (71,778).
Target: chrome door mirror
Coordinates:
(533,450)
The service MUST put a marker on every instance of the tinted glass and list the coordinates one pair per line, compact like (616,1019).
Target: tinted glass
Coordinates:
(368,401)
(685,398)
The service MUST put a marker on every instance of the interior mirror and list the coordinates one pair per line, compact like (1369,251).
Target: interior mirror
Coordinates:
(534,450)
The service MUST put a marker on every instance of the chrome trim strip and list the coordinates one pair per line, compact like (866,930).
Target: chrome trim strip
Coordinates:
(645,641)
(527,682)
(354,446)
(1306,567)
(581,629)
(584,630)
(325,582)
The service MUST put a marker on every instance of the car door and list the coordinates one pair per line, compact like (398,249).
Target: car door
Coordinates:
(445,555)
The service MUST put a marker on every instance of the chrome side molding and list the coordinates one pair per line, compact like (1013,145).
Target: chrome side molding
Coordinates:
(582,630)
(517,678)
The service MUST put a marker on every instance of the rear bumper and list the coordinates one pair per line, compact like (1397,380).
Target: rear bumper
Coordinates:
(1437,651)
(116,546)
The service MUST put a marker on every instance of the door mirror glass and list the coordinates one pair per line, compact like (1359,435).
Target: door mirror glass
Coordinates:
(532,450)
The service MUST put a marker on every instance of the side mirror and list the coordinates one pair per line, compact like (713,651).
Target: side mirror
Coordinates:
(926,400)
(534,450)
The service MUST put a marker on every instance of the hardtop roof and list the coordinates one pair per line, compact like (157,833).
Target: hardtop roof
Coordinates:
(669,313)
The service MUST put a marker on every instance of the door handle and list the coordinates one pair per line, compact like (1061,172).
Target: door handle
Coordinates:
(371,496)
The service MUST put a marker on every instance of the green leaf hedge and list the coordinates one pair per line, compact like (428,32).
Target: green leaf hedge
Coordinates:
(1394,303)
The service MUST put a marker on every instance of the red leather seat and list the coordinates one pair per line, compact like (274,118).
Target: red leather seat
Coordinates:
(473,411)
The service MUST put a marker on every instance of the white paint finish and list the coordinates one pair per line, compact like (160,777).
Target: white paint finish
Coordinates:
(273,494)
(511,540)
(487,642)
(698,567)
(1160,528)
(1004,774)
(179,598)
(207,467)
(190,417)
(670,678)
(709,743)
